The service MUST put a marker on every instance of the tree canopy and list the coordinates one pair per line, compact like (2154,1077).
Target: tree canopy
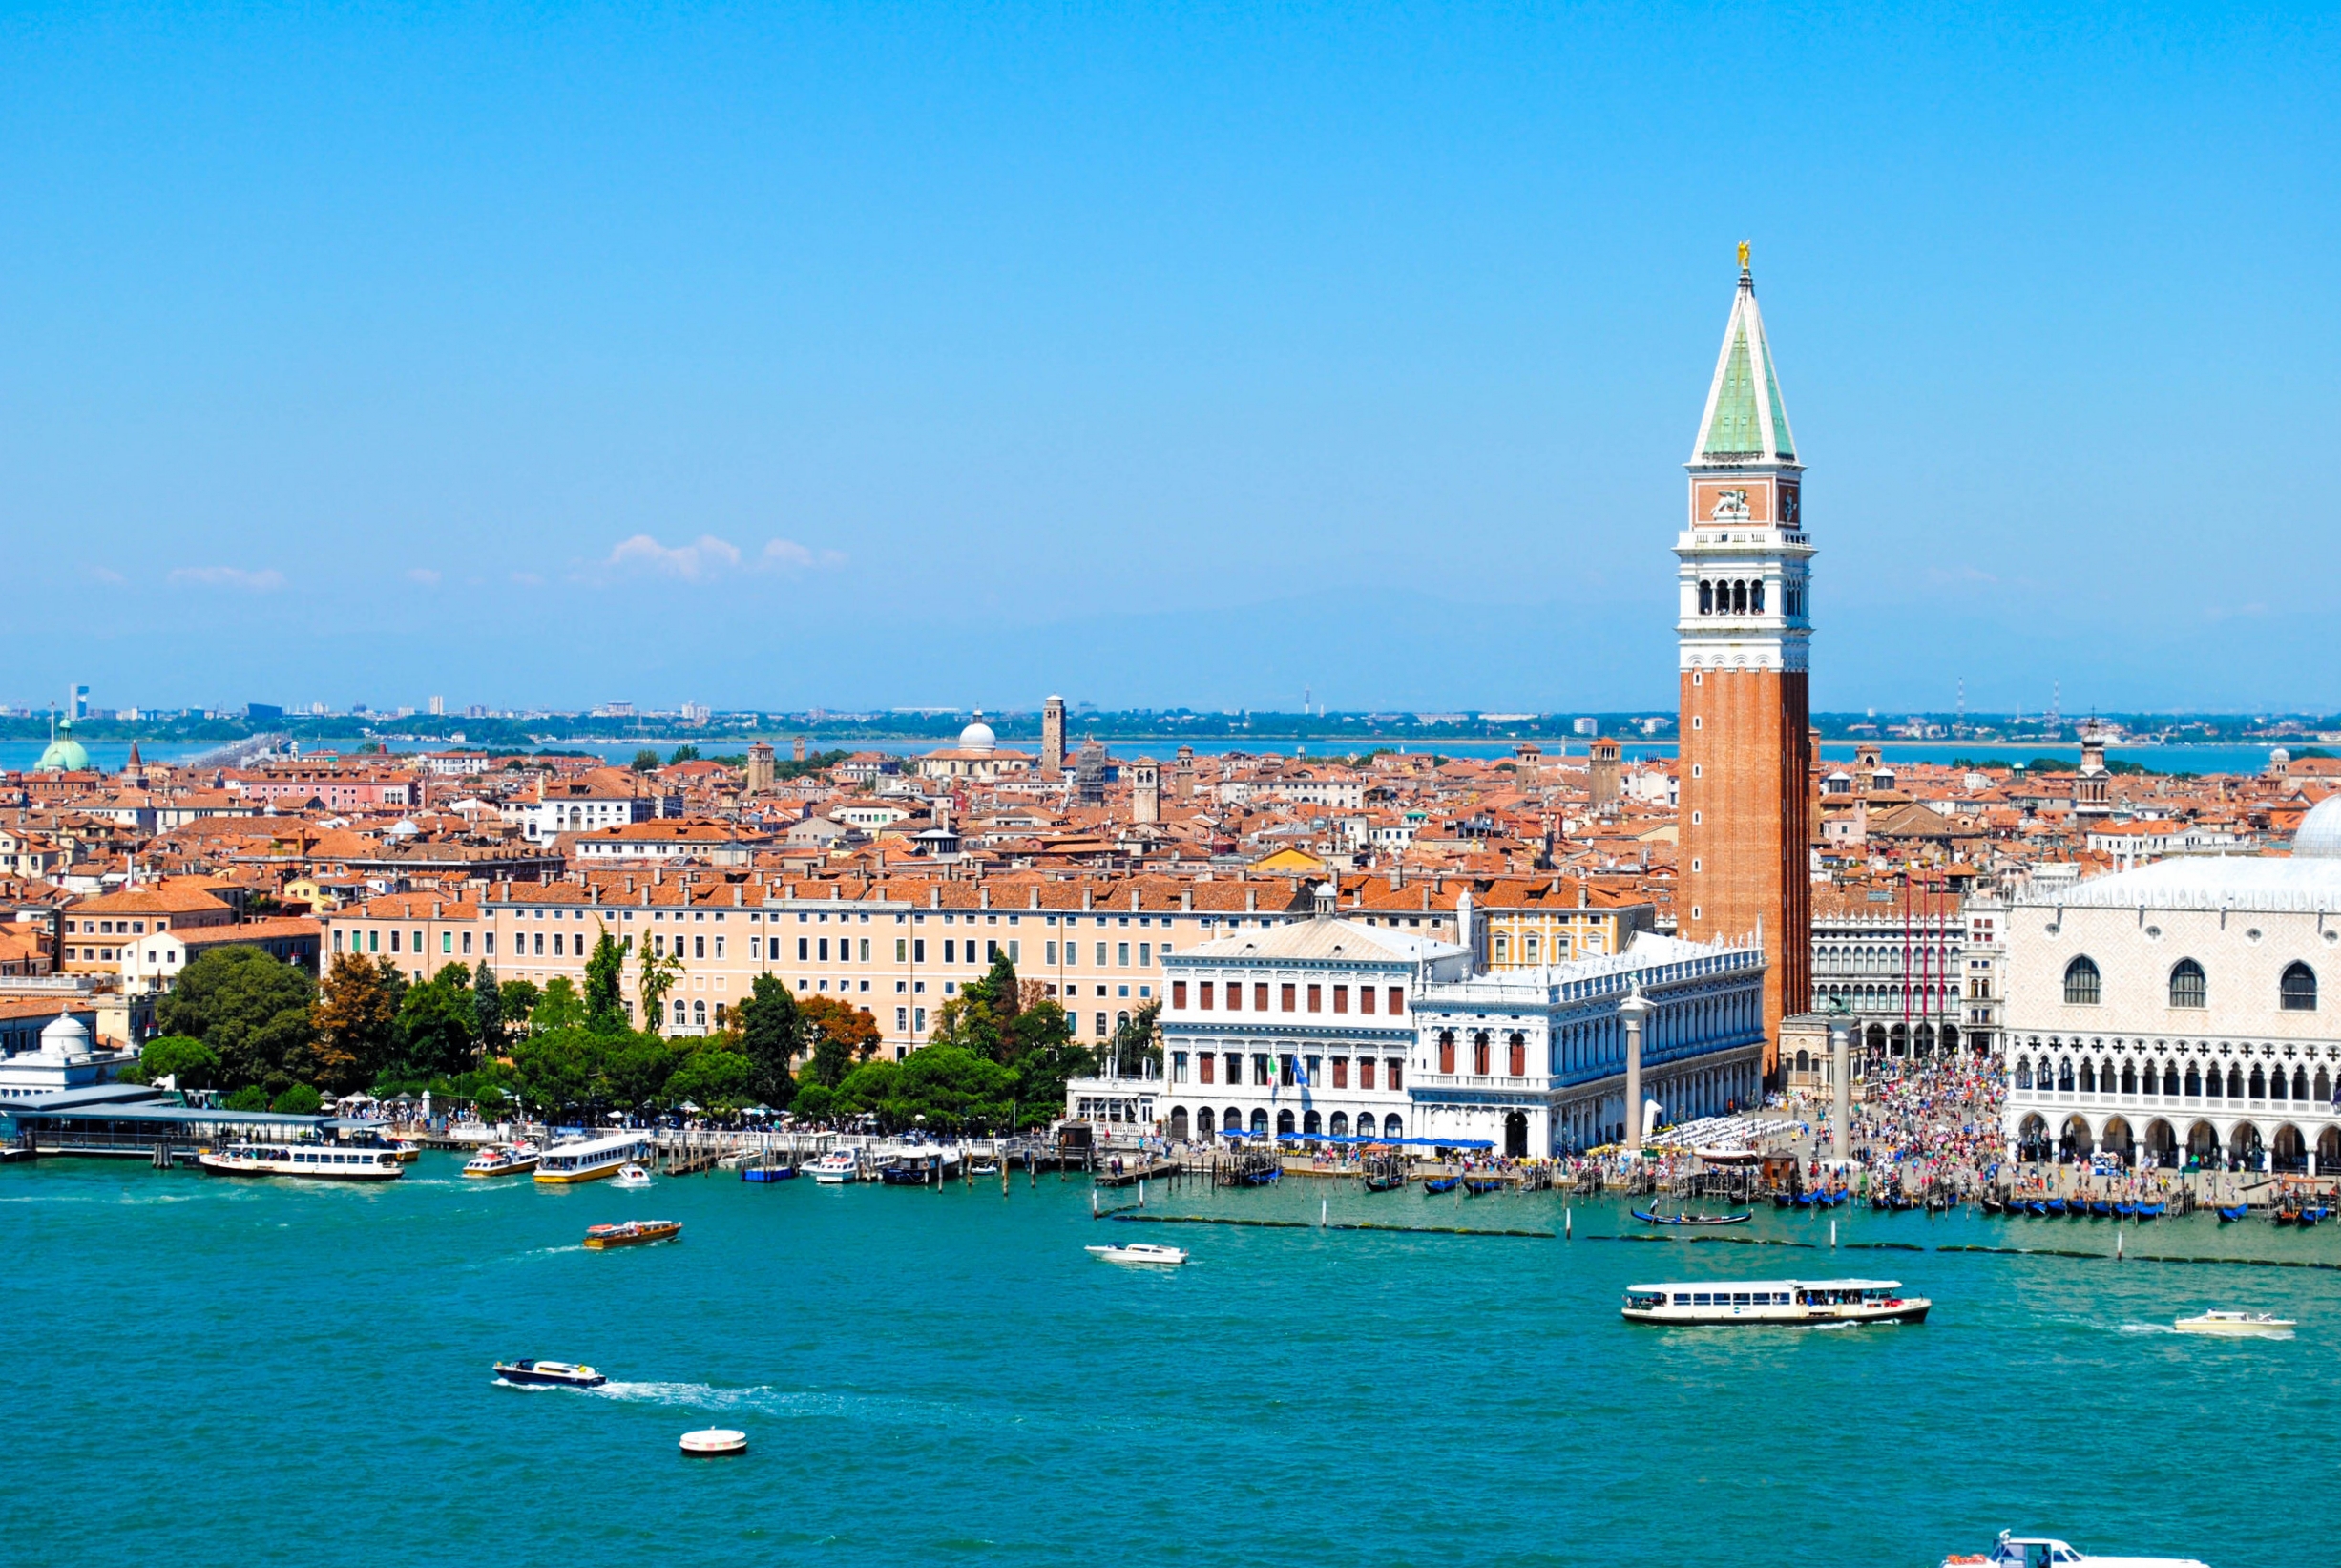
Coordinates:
(250,1009)
(771,1038)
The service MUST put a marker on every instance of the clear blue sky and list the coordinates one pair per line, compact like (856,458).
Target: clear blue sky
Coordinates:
(1181,356)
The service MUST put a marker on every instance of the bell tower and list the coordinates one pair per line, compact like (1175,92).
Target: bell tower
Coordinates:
(1744,632)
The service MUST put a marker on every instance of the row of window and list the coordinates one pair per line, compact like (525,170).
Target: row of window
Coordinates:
(2173,1077)
(1286,1070)
(2295,988)
(1288,995)
(1308,1124)
(1516,1053)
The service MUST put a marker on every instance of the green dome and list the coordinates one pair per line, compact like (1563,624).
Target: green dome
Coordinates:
(65,754)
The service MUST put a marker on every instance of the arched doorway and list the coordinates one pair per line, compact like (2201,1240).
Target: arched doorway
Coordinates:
(2075,1144)
(1875,1040)
(1284,1123)
(1260,1122)
(1311,1124)
(2289,1151)
(2203,1145)
(2244,1150)
(1203,1127)
(2118,1141)
(2328,1151)
(2162,1143)
(1179,1122)
(1516,1135)
(1341,1124)
(2031,1138)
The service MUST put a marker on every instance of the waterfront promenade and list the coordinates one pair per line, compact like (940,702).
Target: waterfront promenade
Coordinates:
(947,1378)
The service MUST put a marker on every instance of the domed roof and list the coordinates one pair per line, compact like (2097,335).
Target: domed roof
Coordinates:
(978,736)
(2319,835)
(65,754)
(65,1037)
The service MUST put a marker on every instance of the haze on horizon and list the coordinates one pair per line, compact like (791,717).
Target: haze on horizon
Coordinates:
(872,355)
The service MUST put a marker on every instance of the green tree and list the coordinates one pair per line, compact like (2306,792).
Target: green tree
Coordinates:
(299,1100)
(250,1097)
(684,754)
(866,1087)
(646,761)
(771,1038)
(560,1008)
(717,1081)
(188,1063)
(251,1011)
(605,991)
(560,1068)
(438,1025)
(944,1089)
(1133,1047)
(355,1024)
(635,1069)
(656,978)
(488,1009)
(517,1000)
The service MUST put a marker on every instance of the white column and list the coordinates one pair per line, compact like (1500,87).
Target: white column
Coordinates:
(1632,1012)
(1841,1091)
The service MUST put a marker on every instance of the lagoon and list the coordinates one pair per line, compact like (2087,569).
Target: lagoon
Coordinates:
(276,1372)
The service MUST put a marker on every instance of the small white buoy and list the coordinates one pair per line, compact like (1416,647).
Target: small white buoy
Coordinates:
(715,1440)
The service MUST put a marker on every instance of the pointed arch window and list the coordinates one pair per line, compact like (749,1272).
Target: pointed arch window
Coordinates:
(2297,989)
(2188,987)
(2082,983)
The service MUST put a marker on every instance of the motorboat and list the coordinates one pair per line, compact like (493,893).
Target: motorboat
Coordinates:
(502,1160)
(564,1374)
(631,1233)
(591,1158)
(1140,1252)
(767,1173)
(1679,1218)
(836,1169)
(1751,1301)
(2237,1326)
(984,1168)
(631,1175)
(314,1161)
(2013,1551)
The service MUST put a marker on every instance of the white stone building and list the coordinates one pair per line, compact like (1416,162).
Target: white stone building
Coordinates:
(1307,1029)
(1534,1060)
(2178,1012)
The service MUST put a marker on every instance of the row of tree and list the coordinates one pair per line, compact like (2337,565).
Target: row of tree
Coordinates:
(243,1021)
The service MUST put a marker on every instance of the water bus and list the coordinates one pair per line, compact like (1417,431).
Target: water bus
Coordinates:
(591,1158)
(502,1160)
(316,1161)
(1774,1301)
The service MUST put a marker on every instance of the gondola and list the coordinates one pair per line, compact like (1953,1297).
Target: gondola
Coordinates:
(2035,1206)
(2314,1214)
(2228,1216)
(2286,1216)
(1479,1186)
(1258,1179)
(1784,1200)
(1993,1205)
(2150,1211)
(2125,1210)
(1441,1183)
(2056,1205)
(1384,1183)
(1837,1198)
(2099,1208)
(1694,1219)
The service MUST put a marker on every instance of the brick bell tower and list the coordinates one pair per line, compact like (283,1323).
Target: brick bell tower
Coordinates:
(1745,635)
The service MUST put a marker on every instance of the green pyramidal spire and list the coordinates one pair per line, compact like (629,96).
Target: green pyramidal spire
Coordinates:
(1745,421)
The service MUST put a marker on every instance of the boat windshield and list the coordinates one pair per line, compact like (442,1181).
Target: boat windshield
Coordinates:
(1643,1300)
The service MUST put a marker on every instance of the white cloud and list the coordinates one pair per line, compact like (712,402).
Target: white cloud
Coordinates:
(707,557)
(423,575)
(107,576)
(788,555)
(264,581)
(703,557)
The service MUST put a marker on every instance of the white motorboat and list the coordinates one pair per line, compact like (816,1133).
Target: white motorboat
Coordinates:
(1140,1252)
(631,1176)
(2012,1550)
(1753,1302)
(316,1161)
(591,1158)
(2238,1325)
(501,1160)
(832,1170)
(559,1374)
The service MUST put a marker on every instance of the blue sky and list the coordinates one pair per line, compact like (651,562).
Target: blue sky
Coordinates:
(865,355)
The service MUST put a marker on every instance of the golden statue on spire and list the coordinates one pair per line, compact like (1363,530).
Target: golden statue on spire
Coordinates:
(1742,256)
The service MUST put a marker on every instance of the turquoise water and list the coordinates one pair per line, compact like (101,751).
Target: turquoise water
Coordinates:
(273,1372)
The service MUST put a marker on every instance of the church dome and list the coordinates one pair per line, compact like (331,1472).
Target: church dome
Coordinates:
(978,736)
(65,754)
(2319,835)
(65,1037)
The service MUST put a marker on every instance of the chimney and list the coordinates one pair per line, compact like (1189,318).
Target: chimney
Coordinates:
(739,895)
(935,895)
(1186,898)
(1134,901)
(1085,893)
(1251,900)
(983,898)
(434,908)
(1034,903)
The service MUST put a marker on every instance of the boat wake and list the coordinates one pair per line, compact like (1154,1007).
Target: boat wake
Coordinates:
(2147,1328)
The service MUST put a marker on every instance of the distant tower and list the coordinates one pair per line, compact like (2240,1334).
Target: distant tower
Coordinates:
(2093,785)
(1604,769)
(798,748)
(760,769)
(1744,638)
(1053,737)
(1145,791)
(1182,775)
